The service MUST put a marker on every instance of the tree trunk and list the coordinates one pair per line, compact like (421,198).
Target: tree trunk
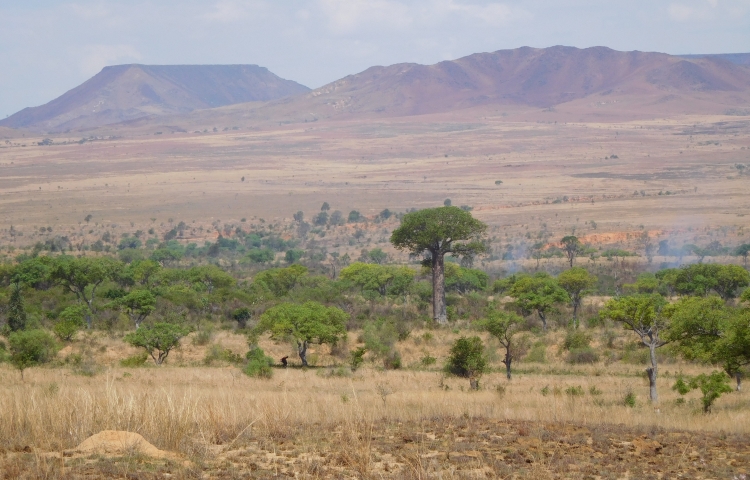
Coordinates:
(738,378)
(652,372)
(544,320)
(508,360)
(302,349)
(438,289)
(474,383)
(575,314)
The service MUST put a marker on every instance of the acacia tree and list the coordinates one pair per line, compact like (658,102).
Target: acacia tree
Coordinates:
(158,339)
(642,315)
(539,293)
(82,277)
(706,329)
(436,232)
(572,248)
(577,282)
(503,326)
(743,251)
(138,304)
(306,324)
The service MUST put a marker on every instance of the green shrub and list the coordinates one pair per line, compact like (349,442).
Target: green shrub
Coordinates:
(71,320)
(29,348)
(593,391)
(537,354)
(217,353)
(578,356)
(427,360)
(392,360)
(258,364)
(576,339)
(203,337)
(629,400)
(576,391)
(357,358)
(467,360)
(137,360)
(711,386)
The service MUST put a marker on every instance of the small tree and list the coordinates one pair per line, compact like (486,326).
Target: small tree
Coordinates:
(711,386)
(158,339)
(539,293)
(503,326)
(743,251)
(71,320)
(138,304)
(29,348)
(325,207)
(577,282)
(467,360)
(258,364)
(83,276)
(436,232)
(306,324)
(16,310)
(642,315)
(572,248)
(241,316)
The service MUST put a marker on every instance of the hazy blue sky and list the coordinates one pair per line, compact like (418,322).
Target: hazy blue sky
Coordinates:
(48,47)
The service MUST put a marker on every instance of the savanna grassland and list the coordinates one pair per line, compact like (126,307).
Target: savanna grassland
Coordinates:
(196,218)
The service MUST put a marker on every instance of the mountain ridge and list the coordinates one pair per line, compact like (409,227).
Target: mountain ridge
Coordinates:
(125,92)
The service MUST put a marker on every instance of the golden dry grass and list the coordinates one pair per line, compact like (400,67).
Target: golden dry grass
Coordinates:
(209,414)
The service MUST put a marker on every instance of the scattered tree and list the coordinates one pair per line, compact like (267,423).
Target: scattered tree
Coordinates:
(642,315)
(503,326)
(572,248)
(466,359)
(577,282)
(436,232)
(539,293)
(158,339)
(29,348)
(306,324)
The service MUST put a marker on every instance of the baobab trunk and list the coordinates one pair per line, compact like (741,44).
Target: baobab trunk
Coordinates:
(438,289)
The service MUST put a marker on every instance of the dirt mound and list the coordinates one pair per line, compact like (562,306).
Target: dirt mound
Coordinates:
(114,442)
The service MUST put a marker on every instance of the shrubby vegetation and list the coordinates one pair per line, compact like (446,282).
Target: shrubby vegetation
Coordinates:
(261,284)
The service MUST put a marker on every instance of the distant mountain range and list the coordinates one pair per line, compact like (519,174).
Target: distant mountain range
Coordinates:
(525,76)
(126,92)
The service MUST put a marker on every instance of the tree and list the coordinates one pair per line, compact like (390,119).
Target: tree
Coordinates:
(577,282)
(307,324)
(642,315)
(71,320)
(464,280)
(743,251)
(711,386)
(383,279)
(82,277)
(325,207)
(29,348)
(705,329)
(572,248)
(377,255)
(158,339)
(241,316)
(211,277)
(539,293)
(299,216)
(700,278)
(16,310)
(354,216)
(503,326)
(435,232)
(467,360)
(260,255)
(280,280)
(293,255)
(137,304)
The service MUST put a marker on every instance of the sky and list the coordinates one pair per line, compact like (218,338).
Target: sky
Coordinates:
(48,47)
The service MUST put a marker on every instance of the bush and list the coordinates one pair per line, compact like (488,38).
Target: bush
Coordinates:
(134,361)
(467,360)
(629,400)
(217,353)
(574,391)
(392,360)
(71,320)
(357,358)
(584,355)
(203,337)
(29,348)
(576,339)
(537,354)
(258,364)
(427,360)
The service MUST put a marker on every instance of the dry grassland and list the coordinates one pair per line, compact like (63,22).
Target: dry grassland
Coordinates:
(370,424)
(395,164)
